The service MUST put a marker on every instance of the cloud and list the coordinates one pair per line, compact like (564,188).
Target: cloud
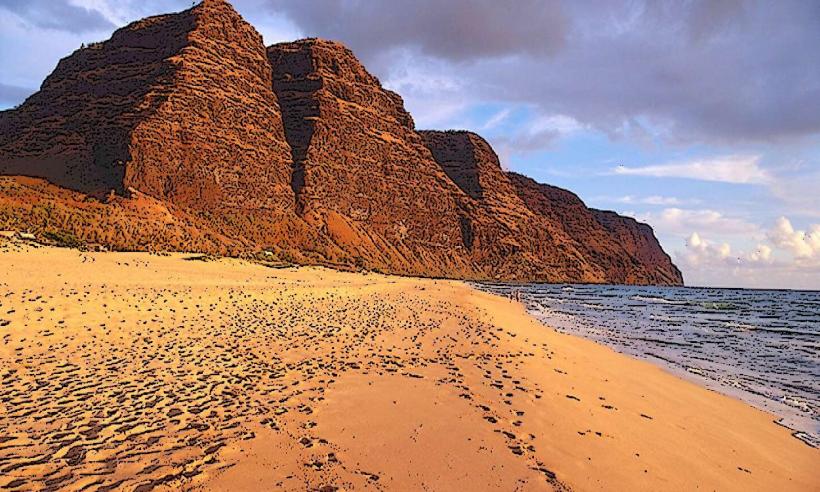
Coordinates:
(700,252)
(802,244)
(785,258)
(681,222)
(433,97)
(653,200)
(11,94)
(59,15)
(538,133)
(456,30)
(497,118)
(799,192)
(704,262)
(697,71)
(729,169)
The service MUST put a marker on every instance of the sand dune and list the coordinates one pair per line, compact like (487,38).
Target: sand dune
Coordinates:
(139,372)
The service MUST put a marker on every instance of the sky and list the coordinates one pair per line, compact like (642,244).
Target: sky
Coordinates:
(701,118)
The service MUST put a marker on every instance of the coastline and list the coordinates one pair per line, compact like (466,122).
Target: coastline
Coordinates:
(142,370)
(580,313)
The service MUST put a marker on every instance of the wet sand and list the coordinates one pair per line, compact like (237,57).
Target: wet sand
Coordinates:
(137,372)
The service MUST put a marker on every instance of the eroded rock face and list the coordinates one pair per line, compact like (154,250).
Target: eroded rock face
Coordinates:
(603,257)
(178,106)
(639,240)
(542,232)
(360,171)
(507,239)
(213,143)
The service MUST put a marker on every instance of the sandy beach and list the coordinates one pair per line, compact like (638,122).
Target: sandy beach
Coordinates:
(138,372)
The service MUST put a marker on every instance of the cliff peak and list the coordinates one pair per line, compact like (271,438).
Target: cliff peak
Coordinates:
(219,9)
(178,106)
(328,60)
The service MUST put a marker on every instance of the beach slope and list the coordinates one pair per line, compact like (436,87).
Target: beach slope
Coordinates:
(138,371)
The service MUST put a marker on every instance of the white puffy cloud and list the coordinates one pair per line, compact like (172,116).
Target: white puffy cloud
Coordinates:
(701,252)
(802,244)
(763,254)
(787,258)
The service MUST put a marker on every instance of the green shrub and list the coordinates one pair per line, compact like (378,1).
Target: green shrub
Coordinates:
(64,239)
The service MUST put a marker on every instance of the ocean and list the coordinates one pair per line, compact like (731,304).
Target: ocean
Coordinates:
(760,346)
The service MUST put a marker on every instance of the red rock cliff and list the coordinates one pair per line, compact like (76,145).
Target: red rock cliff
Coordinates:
(178,106)
(214,143)
(600,244)
(360,171)
(543,232)
(639,240)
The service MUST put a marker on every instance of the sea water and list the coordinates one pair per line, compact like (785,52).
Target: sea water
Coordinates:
(761,346)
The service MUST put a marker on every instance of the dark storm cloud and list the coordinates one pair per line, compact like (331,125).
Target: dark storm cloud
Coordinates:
(710,70)
(57,14)
(451,29)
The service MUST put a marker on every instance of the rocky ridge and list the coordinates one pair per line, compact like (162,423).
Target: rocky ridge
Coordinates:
(361,173)
(142,109)
(607,259)
(545,232)
(184,131)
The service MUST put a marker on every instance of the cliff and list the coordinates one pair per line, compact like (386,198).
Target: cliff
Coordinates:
(549,233)
(183,131)
(361,173)
(639,240)
(608,258)
(177,106)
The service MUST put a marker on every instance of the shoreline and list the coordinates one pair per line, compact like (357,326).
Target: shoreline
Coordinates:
(802,427)
(764,404)
(783,414)
(141,370)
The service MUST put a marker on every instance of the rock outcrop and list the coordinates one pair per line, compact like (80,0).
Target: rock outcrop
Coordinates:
(178,106)
(605,258)
(543,232)
(508,240)
(638,239)
(184,132)
(360,171)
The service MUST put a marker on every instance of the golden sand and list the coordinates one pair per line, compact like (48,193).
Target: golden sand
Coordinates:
(134,371)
